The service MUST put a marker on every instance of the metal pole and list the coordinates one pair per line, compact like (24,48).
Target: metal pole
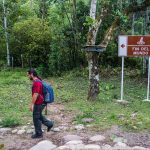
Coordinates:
(122,75)
(148,78)
(143,60)
(147,99)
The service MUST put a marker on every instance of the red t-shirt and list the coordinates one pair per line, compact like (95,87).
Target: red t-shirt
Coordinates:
(37,87)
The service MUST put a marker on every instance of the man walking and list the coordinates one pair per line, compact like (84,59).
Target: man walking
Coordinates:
(37,105)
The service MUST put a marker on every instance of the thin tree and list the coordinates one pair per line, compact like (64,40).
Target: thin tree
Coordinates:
(31,4)
(6,33)
(93,56)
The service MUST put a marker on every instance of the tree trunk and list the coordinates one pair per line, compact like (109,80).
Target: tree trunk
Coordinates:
(31,4)
(12,62)
(22,61)
(93,75)
(93,58)
(74,22)
(43,9)
(146,21)
(133,19)
(6,34)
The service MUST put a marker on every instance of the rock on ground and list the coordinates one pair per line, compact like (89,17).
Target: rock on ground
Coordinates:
(5,130)
(97,138)
(139,148)
(44,145)
(92,147)
(68,138)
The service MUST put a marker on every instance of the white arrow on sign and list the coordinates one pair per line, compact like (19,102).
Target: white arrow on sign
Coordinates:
(122,45)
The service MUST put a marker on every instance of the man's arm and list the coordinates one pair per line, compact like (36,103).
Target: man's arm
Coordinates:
(34,98)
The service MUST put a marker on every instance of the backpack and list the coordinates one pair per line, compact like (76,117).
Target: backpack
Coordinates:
(48,92)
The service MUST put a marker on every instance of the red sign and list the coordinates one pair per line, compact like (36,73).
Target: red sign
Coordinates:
(138,46)
(138,50)
(134,45)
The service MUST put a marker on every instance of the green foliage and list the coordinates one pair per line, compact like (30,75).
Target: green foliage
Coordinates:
(123,18)
(89,21)
(67,36)
(2,63)
(50,34)
(30,38)
(87,113)
(26,10)
(10,121)
(139,26)
(43,71)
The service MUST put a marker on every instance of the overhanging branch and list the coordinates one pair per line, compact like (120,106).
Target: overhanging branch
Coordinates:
(110,31)
(94,29)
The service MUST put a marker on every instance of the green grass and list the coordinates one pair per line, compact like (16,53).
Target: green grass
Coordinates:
(10,121)
(71,90)
(105,111)
(15,97)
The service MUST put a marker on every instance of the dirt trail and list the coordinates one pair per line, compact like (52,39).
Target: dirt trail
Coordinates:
(64,119)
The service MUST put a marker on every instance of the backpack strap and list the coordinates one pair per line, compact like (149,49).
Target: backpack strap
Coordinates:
(38,80)
(46,109)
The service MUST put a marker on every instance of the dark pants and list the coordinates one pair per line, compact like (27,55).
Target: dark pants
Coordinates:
(39,119)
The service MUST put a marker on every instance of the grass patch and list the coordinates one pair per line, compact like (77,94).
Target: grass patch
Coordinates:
(15,97)
(105,111)
(10,121)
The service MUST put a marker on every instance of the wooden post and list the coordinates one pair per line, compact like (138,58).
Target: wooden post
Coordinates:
(12,62)
(22,60)
(30,61)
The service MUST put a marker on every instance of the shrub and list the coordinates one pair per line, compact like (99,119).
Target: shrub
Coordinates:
(10,122)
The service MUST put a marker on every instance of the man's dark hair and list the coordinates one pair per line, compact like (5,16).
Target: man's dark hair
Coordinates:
(32,71)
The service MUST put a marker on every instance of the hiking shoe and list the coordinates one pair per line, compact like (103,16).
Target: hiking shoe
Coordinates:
(35,136)
(49,128)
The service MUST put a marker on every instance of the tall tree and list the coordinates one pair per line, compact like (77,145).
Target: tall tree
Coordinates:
(6,33)
(93,57)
